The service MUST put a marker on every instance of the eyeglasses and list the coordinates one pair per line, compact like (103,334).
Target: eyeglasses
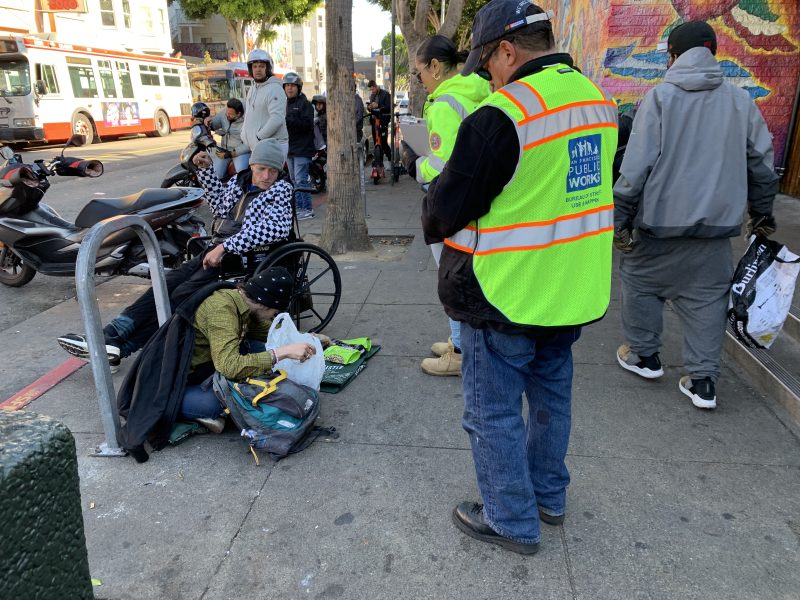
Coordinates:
(481,70)
(418,74)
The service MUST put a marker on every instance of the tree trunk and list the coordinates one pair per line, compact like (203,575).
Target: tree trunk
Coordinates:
(345,226)
(236,32)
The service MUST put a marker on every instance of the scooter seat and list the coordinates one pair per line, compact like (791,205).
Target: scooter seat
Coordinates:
(103,208)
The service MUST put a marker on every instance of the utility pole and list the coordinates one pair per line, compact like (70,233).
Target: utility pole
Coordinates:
(391,119)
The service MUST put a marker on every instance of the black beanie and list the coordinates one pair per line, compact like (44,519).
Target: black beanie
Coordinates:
(692,34)
(272,287)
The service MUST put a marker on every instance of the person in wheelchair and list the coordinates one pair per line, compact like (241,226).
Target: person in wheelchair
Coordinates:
(250,220)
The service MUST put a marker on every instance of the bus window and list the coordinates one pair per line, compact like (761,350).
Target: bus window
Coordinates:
(83,83)
(211,86)
(15,78)
(47,74)
(246,85)
(171,77)
(124,78)
(149,75)
(107,79)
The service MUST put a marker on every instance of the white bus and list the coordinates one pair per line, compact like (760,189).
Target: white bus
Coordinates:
(50,90)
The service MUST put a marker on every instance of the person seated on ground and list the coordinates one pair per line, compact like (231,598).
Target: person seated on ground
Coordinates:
(219,328)
(228,124)
(250,221)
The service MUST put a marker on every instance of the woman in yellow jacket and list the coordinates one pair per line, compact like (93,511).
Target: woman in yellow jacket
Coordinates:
(451,97)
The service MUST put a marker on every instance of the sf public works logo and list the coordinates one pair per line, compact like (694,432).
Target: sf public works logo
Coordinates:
(584,163)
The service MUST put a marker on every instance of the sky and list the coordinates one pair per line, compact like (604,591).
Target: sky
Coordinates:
(370,24)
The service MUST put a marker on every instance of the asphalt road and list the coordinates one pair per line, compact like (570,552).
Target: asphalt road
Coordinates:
(130,165)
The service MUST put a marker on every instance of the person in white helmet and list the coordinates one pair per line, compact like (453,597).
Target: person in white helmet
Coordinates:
(265,111)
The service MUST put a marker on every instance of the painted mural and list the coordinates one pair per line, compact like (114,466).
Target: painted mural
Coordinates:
(614,42)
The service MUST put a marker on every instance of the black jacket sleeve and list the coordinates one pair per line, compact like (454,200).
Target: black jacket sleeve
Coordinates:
(483,161)
(301,119)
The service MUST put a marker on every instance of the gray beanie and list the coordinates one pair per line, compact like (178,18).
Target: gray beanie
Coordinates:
(268,152)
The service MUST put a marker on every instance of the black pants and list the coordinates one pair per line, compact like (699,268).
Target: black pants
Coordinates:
(384,135)
(181,283)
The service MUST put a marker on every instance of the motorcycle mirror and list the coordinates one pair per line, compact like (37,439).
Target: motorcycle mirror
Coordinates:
(76,139)
(6,153)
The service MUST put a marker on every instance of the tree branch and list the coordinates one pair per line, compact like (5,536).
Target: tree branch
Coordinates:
(421,16)
(452,18)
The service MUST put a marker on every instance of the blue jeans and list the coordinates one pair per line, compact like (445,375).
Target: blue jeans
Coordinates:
(199,403)
(519,466)
(298,171)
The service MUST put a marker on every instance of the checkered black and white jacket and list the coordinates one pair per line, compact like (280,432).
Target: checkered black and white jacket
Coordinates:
(267,219)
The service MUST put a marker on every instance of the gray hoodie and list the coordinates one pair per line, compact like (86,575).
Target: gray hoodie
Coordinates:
(699,154)
(265,113)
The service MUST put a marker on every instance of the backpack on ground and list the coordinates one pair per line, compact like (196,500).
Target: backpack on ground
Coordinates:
(273,413)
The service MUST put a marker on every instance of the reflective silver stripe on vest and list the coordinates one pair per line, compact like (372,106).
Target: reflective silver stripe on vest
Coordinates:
(565,122)
(534,236)
(524,97)
(454,104)
(433,161)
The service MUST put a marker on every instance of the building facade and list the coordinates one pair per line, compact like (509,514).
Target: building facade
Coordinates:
(140,26)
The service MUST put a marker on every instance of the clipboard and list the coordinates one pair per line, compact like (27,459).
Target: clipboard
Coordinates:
(415,134)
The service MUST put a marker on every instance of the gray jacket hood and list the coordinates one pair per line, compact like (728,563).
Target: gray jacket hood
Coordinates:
(695,70)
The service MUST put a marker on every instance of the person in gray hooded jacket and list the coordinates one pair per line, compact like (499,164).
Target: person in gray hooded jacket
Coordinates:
(265,112)
(699,155)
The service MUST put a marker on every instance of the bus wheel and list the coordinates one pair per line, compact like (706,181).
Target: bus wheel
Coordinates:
(82,125)
(162,124)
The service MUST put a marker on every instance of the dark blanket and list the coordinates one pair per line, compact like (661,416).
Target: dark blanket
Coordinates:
(150,397)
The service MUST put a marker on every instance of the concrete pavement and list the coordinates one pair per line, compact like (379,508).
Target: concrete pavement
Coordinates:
(666,501)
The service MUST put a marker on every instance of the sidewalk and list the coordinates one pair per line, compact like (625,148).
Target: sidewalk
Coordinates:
(666,501)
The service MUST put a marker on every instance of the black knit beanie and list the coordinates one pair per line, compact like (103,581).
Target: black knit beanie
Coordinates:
(272,287)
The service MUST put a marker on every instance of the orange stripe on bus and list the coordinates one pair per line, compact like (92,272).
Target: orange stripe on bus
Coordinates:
(542,246)
(597,209)
(568,132)
(567,107)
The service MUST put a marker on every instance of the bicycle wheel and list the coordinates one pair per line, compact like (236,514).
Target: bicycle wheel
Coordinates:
(317,283)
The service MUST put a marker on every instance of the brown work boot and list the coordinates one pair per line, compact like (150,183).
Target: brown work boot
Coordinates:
(442,348)
(448,363)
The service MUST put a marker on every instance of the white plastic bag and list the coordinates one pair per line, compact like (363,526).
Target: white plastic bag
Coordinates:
(761,292)
(308,373)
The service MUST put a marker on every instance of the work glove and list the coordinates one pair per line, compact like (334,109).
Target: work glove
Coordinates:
(223,153)
(409,159)
(622,240)
(760,225)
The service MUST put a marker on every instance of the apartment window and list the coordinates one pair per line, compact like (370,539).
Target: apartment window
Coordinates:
(107,13)
(298,46)
(126,13)
(107,78)
(81,76)
(47,73)
(124,79)
(149,75)
(162,21)
(171,77)
(147,15)
(320,21)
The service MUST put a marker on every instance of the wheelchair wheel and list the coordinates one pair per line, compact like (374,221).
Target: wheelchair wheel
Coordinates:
(317,283)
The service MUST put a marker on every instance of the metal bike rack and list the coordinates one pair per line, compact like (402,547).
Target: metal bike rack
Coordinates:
(90,311)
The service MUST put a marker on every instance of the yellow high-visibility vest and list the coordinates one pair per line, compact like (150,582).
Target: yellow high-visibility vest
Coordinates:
(542,255)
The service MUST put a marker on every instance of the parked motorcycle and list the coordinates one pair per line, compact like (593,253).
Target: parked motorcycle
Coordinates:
(33,237)
(184,174)
(316,170)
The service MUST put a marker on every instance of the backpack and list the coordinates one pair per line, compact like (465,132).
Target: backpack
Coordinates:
(274,413)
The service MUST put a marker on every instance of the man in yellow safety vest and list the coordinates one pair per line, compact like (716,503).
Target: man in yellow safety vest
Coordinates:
(525,207)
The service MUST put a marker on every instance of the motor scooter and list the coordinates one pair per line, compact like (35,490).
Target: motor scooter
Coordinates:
(34,238)
(316,170)
(184,174)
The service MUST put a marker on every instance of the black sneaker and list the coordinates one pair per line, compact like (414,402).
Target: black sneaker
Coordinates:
(77,345)
(648,367)
(701,391)
(550,519)
(468,517)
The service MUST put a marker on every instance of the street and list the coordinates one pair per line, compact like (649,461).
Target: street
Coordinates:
(130,165)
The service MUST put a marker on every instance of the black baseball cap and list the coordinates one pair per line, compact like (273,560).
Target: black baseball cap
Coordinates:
(692,34)
(496,19)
